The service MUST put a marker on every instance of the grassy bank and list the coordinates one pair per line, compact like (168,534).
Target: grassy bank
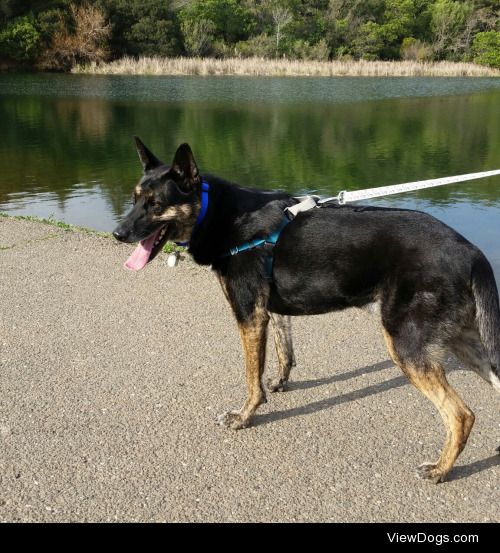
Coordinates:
(284,67)
(169,247)
(54,223)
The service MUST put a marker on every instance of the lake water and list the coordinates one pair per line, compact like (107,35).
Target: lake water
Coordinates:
(66,147)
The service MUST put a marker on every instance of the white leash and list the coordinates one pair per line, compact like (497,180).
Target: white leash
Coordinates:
(345,196)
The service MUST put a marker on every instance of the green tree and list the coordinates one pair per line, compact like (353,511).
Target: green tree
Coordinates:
(151,37)
(398,20)
(372,29)
(142,27)
(422,22)
(199,36)
(448,22)
(19,40)
(231,21)
(369,41)
(309,22)
(281,17)
(486,48)
(383,37)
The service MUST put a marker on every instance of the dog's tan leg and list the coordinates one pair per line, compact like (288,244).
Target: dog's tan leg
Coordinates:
(282,328)
(458,419)
(253,334)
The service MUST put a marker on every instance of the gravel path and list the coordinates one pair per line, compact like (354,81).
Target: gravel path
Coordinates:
(111,381)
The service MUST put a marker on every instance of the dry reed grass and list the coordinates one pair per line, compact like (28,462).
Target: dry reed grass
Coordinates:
(284,68)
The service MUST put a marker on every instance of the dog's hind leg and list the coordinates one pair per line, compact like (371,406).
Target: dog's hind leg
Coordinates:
(429,378)
(471,352)
(282,328)
(253,334)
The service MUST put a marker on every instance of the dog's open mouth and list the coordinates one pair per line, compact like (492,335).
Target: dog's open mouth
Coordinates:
(147,250)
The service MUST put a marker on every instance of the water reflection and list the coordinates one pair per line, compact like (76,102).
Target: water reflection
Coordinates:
(66,147)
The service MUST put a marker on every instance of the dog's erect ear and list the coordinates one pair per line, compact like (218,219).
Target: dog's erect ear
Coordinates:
(148,160)
(185,166)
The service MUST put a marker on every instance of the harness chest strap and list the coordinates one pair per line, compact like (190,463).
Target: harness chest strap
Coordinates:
(290,213)
(257,242)
(268,242)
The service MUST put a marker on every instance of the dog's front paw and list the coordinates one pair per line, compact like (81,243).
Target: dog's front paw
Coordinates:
(429,471)
(277,385)
(232,419)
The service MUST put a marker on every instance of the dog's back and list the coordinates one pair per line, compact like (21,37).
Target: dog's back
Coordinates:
(331,258)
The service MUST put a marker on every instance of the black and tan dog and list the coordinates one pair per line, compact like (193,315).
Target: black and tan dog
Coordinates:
(436,291)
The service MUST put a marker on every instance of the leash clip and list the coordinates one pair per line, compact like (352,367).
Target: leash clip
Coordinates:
(305,205)
(341,197)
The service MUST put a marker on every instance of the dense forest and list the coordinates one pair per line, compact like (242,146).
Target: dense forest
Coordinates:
(57,34)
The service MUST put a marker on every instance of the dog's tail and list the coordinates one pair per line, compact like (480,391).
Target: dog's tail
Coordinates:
(487,314)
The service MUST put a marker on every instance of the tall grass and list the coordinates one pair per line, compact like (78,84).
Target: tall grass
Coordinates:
(283,67)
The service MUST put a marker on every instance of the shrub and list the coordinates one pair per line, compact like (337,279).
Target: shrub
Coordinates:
(152,37)
(415,50)
(222,50)
(486,48)
(301,49)
(19,41)
(262,46)
(50,22)
(87,43)
(198,36)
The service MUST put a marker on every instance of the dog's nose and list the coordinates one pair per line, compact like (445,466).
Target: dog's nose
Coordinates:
(120,234)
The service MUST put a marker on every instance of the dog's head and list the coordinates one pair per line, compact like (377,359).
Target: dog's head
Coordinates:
(166,205)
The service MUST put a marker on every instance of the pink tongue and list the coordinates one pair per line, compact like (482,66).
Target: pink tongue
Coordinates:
(142,253)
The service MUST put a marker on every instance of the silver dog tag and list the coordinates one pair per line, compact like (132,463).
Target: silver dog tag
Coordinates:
(173,259)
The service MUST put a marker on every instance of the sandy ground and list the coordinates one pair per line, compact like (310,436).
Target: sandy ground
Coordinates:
(111,382)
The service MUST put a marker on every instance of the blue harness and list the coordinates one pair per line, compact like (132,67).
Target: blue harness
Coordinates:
(268,242)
